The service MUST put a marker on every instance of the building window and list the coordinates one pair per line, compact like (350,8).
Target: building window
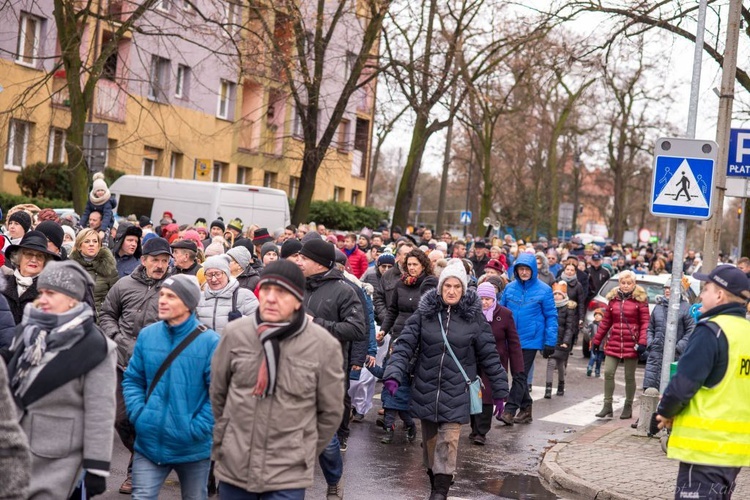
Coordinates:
(297,125)
(181,81)
(231,18)
(343,139)
(356,197)
(293,187)
(18,143)
(29,37)
(218,171)
(159,79)
(56,149)
(226,98)
(338,193)
(269,179)
(150,160)
(109,72)
(175,165)
(244,174)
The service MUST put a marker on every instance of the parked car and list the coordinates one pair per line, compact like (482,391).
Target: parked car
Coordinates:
(654,286)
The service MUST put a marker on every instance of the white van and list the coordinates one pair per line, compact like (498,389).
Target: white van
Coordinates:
(188,200)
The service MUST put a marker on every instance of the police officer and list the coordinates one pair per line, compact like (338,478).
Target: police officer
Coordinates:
(706,403)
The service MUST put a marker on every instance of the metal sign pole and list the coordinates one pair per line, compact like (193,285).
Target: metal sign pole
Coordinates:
(670,336)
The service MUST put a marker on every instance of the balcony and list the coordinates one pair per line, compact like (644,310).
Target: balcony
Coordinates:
(110,101)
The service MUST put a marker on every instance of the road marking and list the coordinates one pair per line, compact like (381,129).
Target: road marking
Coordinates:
(583,413)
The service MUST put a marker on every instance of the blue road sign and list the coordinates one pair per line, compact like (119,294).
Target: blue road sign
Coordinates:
(738,161)
(466,217)
(682,187)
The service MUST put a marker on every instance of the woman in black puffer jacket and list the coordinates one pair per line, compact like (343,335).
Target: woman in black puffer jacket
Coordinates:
(440,395)
(577,294)
(416,280)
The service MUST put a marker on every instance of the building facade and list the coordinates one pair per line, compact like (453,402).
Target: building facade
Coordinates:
(191,92)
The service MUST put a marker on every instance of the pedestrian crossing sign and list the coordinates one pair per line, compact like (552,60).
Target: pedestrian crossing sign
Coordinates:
(683,178)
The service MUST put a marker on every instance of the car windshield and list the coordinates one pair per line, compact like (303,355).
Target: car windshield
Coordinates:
(652,289)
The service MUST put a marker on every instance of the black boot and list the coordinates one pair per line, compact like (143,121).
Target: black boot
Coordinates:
(388,437)
(560,388)
(548,391)
(442,486)
(432,481)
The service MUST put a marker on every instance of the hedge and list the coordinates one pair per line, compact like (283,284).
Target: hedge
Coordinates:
(345,216)
(8,201)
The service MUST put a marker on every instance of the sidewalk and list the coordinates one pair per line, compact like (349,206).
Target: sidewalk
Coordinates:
(607,461)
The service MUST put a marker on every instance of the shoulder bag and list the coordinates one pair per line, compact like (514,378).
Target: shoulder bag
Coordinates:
(475,388)
(172,355)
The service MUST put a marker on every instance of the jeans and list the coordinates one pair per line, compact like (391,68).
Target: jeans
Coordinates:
(331,462)
(390,418)
(231,492)
(440,446)
(521,398)
(148,478)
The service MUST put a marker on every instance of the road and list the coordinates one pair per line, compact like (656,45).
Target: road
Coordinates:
(506,467)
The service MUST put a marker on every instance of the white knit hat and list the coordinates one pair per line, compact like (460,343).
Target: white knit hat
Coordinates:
(220,262)
(454,269)
(99,183)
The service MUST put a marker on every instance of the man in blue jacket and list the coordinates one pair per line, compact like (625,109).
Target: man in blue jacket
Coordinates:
(172,414)
(533,308)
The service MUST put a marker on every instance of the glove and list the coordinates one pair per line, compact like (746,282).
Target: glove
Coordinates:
(499,407)
(640,348)
(595,347)
(391,385)
(548,351)
(95,485)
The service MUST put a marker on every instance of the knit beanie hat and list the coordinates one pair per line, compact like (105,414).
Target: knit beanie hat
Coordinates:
(218,223)
(268,247)
(285,274)
(47,214)
(311,235)
(241,256)
(99,184)
(387,258)
(53,231)
(454,269)
(220,262)
(560,287)
(186,287)
(66,277)
(319,251)
(486,289)
(215,248)
(290,247)
(341,257)
(69,231)
(235,224)
(21,217)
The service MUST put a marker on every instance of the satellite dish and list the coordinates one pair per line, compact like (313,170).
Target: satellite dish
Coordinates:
(486,222)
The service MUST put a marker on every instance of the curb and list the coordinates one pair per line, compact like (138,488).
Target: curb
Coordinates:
(556,476)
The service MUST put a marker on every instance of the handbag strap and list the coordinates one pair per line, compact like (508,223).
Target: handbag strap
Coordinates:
(172,355)
(234,299)
(450,350)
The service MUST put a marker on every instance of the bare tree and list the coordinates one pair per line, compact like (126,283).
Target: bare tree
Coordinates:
(308,61)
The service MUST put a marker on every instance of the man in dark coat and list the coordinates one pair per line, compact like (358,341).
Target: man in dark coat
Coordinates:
(335,306)
(481,257)
(597,276)
(382,297)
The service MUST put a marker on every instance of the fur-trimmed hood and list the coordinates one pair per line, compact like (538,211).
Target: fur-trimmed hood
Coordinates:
(639,294)
(3,282)
(103,263)
(467,308)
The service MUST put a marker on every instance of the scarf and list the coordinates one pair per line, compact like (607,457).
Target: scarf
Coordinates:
(489,311)
(101,200)
(409,280)
(22,282)
(271,335)
(570,280)
(45,332)
(561,303)
(624,295)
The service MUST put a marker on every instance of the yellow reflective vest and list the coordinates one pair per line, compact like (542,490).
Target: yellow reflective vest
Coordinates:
(714,429)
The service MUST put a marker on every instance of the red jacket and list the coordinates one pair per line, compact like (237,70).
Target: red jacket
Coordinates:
(358,262)
(626,322)
(508,347)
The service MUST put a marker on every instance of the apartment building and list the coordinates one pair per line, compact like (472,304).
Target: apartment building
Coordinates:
(189,93)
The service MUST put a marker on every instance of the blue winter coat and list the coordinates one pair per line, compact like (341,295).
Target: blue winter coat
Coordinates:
(439,392)
(400,400)
(176,424)
(106,209)
(533,307)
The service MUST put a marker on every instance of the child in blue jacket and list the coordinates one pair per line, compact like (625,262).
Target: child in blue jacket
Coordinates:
(396,405)
(102,201)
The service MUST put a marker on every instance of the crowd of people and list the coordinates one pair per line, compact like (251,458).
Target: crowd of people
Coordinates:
(236,356)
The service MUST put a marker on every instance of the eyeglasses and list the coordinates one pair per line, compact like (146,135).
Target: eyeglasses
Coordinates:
(32,255)
(214,276)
